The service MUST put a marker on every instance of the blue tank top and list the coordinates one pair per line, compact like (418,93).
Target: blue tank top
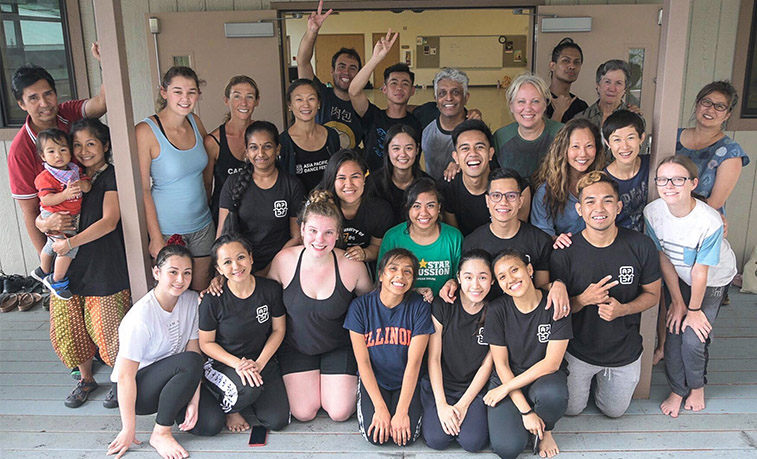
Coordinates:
(177,186)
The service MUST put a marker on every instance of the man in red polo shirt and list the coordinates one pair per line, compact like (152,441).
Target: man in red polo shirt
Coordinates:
(34,89)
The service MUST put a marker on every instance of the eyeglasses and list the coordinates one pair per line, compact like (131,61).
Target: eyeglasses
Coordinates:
(677,181)
(511,196)
(707,103)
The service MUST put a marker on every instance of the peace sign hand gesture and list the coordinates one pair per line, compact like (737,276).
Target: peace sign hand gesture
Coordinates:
(384,45)
(317,18)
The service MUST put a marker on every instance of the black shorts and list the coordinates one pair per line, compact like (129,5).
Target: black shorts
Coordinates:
(340,361)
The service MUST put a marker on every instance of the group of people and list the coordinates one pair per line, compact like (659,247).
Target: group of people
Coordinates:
(441,281)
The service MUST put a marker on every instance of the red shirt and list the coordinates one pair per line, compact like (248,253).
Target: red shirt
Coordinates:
(46,184)
(24,164)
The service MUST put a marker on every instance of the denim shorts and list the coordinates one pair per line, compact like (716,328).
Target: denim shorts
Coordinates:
(48,248)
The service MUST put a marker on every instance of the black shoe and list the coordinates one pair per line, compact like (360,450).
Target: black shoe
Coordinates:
(80,394)
(110,401)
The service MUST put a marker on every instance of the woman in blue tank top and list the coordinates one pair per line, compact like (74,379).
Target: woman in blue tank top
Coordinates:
(175,173)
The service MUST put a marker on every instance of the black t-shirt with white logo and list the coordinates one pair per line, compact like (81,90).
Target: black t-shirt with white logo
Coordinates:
(463,346)
(633,261)
(339,114)
(373,218)
(242,325)
(264,214)
(470,210)
(526,336)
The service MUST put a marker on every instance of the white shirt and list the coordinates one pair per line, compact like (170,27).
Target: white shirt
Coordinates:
(694,238)
(149,333)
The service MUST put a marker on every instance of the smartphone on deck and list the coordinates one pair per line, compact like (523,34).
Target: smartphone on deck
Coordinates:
(258,436)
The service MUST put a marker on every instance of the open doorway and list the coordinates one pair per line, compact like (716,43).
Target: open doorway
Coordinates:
(490,45)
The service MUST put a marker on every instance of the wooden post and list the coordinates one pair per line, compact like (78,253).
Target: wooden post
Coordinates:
(109,23)
(668,94)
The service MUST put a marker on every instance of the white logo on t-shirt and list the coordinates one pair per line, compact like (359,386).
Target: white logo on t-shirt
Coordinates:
(543,332)
(280,209)
(625,277)
(480,337)
(298,169)
(262,313)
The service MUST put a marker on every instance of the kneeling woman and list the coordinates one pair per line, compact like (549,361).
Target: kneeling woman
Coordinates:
(529,390)
(240,331)
(159,366)
(389,329)
(459,361)
(319,283)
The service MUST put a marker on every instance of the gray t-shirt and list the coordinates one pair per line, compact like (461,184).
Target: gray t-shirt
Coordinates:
(437,149)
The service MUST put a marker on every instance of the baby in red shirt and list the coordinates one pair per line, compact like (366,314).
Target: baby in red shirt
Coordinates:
(60,187)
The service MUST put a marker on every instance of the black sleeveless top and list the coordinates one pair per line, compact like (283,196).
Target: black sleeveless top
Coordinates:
(316,326)
(226,165)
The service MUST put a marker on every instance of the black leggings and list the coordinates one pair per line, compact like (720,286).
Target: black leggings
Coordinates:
(165,387)
(548,397)
(269,401)
(365,410)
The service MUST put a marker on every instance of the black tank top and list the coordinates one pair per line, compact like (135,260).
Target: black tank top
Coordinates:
(226,165)
(316,326)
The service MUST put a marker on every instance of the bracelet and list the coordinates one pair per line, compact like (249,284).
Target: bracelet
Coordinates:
(68,240)
(527,412)
(694,310)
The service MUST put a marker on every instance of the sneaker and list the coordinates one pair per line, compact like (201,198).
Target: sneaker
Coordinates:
(39,274)
(80,394)
(110,401)
(59,288)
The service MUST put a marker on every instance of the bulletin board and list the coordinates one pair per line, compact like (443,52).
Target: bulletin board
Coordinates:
(471,52)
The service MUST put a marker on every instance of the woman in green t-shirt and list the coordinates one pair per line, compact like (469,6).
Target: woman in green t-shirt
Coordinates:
(436,244)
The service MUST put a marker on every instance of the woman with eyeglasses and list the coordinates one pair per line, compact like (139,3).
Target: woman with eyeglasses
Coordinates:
(718,158)
(697,265)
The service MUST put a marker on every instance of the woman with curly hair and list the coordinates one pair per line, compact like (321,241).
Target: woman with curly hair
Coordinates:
(572,154)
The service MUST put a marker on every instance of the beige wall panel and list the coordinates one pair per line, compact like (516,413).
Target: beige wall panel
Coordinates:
(727,28)
(11,256)
(219,5)
(160,6)
(742,204)
(700,60)
(249,5)
(190,5)
(137,49)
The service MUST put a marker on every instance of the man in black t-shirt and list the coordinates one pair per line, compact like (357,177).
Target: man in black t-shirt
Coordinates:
(398,88)
(612,274)
(465,196)
(567,58)
(506,231)
(336,110)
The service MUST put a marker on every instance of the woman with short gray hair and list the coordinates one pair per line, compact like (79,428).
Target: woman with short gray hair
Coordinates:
(613,78)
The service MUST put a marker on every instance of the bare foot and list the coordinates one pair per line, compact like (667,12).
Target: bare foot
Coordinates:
(659,354)
(236,423)
(695,400)
(672,405)
(547,446)
(164,443)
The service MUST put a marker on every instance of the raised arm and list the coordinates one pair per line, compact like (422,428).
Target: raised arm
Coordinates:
(357,96)
(96,107)
(307,44)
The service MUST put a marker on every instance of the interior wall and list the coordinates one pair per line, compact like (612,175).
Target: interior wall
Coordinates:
(429,23)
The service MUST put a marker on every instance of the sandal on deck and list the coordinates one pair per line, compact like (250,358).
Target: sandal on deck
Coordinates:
(80,394)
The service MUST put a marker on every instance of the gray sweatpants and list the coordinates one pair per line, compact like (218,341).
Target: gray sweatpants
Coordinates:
(686,356)
(615,386)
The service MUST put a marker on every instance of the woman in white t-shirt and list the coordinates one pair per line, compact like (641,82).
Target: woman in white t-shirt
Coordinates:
(698,266)
(159,366)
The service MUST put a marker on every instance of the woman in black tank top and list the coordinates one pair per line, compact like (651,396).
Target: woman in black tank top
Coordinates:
(226,144)
(316,359)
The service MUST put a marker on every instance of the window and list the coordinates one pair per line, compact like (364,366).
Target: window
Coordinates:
(744,117)
(33,31)
(749,98)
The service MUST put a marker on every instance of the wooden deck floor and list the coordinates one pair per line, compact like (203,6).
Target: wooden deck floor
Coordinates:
(34,423)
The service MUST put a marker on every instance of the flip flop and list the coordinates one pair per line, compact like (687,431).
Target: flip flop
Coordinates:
(26,301)
(8,302)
